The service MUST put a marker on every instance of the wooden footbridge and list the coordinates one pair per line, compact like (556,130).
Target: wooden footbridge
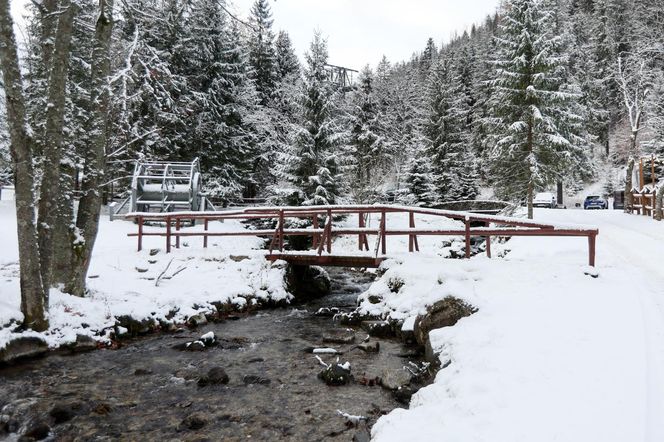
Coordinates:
(322,230)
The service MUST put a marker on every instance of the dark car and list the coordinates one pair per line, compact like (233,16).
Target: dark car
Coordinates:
(595,202)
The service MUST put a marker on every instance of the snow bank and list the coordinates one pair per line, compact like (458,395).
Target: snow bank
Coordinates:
(148,285)
(552,354)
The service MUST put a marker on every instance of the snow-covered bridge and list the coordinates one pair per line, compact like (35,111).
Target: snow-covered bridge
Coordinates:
(317,222)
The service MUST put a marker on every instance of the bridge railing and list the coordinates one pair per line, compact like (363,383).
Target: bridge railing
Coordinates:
(474,225)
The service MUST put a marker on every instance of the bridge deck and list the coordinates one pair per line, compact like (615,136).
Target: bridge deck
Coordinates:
(327,260)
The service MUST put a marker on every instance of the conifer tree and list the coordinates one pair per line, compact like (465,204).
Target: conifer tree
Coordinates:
(366,142)
(447,135)
(262,56)
(537,127)
(314,168)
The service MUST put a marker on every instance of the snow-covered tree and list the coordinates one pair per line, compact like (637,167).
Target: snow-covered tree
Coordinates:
(366,142)
(418,178)
(537,114)
(314,167)
(262,54)
(447,133)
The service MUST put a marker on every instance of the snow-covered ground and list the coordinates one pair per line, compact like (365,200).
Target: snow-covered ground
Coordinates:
(552,354)
(125,282)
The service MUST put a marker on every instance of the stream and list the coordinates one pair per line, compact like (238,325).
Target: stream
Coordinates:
(149,390)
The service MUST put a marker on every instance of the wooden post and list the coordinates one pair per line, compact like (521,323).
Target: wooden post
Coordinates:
(140,233)
(168,234)
(641,180)
(383,242)
(316,236)
(467,238)
(591,249)
(281,230)
(361,224)
(177,233)
(411,224)
(488,241)
(205,237)
(329,231)
(652,172)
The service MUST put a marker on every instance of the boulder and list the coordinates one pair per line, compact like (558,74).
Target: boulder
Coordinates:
(197,319)
(215,376)
(36,431)
(443,313)
(238,258)
(369,347)
(394,379)
(194,421)
(23,347)
(336,374)
(307,282)
(83,343)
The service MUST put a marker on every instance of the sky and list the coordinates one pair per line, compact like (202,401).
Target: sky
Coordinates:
(360,32)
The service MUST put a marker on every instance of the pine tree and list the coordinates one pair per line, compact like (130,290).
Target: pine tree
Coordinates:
(223,102)
(537,126)
(418,181)
(314,168)
(447,134)
(286,62)
(262,56)
(365,140)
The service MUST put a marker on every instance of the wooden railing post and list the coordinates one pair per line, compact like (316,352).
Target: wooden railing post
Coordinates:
(140,233)
(360,224)
(329,231)
(177,233)
(281,230)
(487,239)
(591,249)
(205,237)
(467,221)
(316,236)
(168,234)
(412,238)
(383,237)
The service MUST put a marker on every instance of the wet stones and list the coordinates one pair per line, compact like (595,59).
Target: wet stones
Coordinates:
(380,329)
(336,374)
(251,379)
(201,344)
(83,344)
(340,337)
(327,312)
(369,347)
(36,431)
(194,421)
(23,348)
(215,376)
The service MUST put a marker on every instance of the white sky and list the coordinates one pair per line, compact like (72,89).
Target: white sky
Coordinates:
(361,31)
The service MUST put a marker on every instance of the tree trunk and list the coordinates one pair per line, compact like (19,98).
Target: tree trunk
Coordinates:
(629,198)
(87,220)
(659,199)
(33,298)
(559,192)
(529,146)
(50,186)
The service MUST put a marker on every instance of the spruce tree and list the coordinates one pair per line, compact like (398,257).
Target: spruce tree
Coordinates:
(420,191)
(262,56)
(447,135)
(314,165)
(537,120)
(366,142)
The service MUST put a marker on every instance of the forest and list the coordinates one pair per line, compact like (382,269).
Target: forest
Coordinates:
(542,92)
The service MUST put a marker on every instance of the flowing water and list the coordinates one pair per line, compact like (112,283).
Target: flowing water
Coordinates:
(147,390)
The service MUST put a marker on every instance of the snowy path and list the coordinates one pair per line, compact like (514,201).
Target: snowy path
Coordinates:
(634,246)
(552,354)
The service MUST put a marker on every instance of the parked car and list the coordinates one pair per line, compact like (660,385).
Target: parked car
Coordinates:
(595,202)
(545,199)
